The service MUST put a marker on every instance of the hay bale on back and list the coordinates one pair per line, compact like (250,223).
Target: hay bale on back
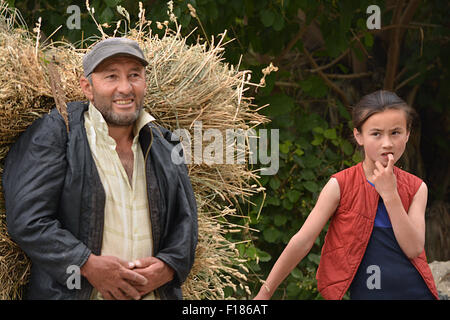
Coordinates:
(185,84)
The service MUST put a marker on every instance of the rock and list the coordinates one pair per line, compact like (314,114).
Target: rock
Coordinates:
(441,275)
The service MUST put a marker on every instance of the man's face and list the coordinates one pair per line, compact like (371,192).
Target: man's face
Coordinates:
(117,90)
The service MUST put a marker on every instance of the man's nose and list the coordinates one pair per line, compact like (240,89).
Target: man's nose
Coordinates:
(124,86)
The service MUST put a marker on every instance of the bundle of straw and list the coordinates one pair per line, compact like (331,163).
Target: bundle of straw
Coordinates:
(185,84)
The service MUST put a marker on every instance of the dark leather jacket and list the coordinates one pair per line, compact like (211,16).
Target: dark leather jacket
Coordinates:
(55,204)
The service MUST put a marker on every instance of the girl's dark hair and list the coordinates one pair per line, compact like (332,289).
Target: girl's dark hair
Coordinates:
(380,101)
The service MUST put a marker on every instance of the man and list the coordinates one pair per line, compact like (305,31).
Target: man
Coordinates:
(105,196)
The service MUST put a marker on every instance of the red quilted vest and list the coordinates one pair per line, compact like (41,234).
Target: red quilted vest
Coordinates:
(351,227)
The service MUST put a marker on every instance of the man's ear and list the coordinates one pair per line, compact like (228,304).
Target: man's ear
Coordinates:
(86,86)
(357,136)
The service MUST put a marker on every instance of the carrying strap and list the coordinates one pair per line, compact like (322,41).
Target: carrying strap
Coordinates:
(58,93)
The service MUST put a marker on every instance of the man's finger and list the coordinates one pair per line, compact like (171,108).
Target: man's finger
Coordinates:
(126,264)
(107,296)
(145,262)
(129,290)
(134,277)
(118,294)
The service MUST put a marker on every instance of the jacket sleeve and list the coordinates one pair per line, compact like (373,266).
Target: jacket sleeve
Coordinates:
(33,178)
(179,241)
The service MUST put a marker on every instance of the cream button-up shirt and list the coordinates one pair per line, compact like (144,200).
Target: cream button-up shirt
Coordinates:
(127,232)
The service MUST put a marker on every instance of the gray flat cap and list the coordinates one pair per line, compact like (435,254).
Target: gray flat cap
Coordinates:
(108,48)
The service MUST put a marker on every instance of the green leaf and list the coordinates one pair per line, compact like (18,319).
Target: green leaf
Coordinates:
(251,252)
(368,40)
(307,174)
(361,24)
(275,201)
(297,274)
(315,258)
(267,17)
(279,104)
(343,112)
(228,291)
(317,140)
(347,147)
(293,289)
(318,130)
(278,22)
(293,195)
(274,183)
(284,148)
(241,248)
(287,204)
(263,256)
(357,157)
(299,152)
(264,179)
(271,234)
(279,220)
(311,161)
(330,133)
(311,186)
(314,86)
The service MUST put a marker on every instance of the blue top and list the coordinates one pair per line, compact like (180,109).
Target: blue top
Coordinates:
(385,271)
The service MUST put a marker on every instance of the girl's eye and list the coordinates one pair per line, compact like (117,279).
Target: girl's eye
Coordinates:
(376,134)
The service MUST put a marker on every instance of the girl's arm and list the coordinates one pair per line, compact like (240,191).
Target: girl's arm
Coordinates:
(408,227)
(300,244)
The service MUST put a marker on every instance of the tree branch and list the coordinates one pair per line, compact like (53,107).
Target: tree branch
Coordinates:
(335,88)
(395,40)
(291,44)
(326,66)
(348,76)
(404,82)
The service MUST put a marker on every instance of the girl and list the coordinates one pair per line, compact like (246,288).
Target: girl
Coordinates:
(374,246)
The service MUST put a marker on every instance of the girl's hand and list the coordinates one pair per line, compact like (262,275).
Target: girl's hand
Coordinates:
(384,178)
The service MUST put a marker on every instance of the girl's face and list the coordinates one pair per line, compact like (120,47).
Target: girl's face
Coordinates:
(383,133)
